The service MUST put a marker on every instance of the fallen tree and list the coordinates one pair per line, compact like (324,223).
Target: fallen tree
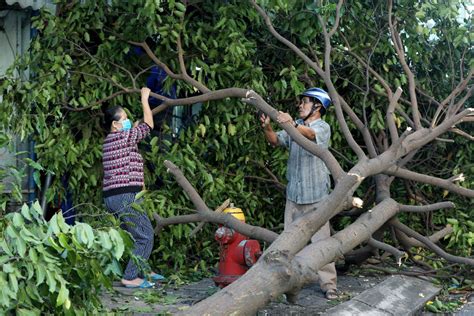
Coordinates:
(383,144)
(289,263)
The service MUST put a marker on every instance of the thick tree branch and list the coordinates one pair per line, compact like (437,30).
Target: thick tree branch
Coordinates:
(330,161)
(424,136)
(283,273)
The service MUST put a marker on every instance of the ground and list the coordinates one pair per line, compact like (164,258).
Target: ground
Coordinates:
(167,298)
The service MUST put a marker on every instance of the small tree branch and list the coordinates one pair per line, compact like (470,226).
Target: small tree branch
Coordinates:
(412,242)
(110,97)
(157,61)
(201,87)
(397,42)
(442,183)
(382,81)
(162,222)
(361,127)
(459,88)
(462,133)
(390,114)
(338,16)
(388,248)
(99,77)
(325,75)
(426,208)
(222,207)
(292,46)
(440,252)
(270,173)
(278,184)
(142,72)
(207,215)
(454,109)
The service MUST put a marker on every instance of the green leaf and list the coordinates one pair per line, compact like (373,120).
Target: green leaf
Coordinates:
(27,312)
(40,274)
(180,6)
(34,164)
(63,294)
(53,225)
(63,241)
(232,129)
(13,282)
(51,281)
(8,268)
(37,208)
(104,240)
(117,241)
(68,59)
(33,255)
(25,211)
(140,195)
(20,246)
(4,246)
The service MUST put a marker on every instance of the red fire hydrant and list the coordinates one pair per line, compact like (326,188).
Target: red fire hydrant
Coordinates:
(237,252)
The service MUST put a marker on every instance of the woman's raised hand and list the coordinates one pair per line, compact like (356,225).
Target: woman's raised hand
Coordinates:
(145,92)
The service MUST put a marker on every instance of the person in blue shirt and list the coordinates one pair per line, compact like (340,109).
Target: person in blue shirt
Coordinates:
(307,175)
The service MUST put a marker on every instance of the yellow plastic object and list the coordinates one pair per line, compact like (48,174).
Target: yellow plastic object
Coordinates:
(236,212)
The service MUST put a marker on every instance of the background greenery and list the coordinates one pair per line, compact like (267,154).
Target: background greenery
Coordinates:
(81,55)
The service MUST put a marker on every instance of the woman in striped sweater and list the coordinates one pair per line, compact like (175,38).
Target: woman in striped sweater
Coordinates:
(123,179)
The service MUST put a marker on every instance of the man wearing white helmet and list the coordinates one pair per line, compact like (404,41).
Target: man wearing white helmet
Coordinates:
(308,176)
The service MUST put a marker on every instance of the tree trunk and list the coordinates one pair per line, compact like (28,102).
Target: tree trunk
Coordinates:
(278,272)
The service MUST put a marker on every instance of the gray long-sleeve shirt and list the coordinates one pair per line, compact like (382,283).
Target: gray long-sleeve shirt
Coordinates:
(308,176)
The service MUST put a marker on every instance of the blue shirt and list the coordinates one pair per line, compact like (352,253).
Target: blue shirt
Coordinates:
(308,176)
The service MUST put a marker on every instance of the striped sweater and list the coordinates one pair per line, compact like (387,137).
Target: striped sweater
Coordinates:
(123,164)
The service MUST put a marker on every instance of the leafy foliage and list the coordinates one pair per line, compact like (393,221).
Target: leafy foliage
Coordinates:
(81,61)
(50,267)
(11,175)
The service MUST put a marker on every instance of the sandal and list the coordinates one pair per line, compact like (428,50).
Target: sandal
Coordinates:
(331,294)
(144,285)
(156,277)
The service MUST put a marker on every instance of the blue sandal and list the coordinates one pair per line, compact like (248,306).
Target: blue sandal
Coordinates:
(156,277)
(144,285)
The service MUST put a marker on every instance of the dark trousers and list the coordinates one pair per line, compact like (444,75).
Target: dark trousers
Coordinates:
(137,224)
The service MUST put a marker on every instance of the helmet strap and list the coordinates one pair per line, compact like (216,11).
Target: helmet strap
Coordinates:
(313,109)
